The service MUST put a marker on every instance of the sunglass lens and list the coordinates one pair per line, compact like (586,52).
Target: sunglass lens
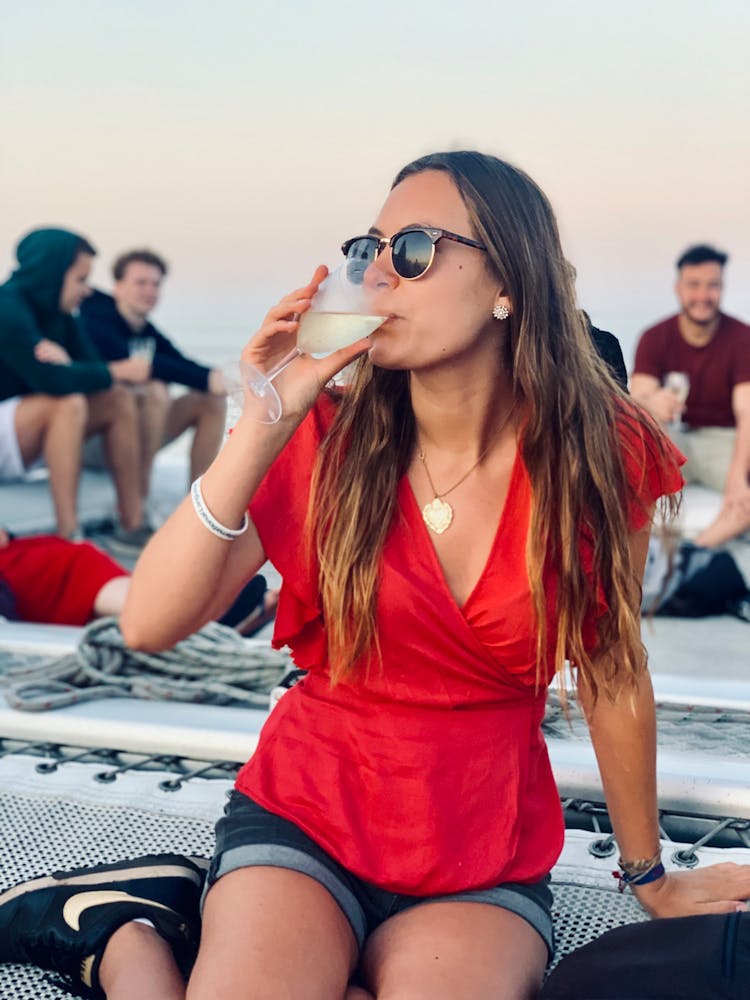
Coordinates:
(359,256)
(411,254)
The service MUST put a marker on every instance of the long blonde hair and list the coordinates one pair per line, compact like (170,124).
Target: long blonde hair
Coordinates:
(570,447)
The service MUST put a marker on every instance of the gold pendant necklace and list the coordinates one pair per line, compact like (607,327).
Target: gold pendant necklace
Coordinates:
(438,513)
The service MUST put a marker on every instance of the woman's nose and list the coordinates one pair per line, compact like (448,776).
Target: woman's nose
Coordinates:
(380,273)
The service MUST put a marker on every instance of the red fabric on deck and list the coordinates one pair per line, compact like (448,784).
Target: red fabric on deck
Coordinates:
(56,581)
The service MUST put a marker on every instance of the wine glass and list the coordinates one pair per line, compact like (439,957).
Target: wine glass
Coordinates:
(678,383)
(340,313)
(142,347)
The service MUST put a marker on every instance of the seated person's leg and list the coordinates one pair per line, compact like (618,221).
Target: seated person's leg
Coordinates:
(440,950)
(710,455)
(53,426)
(207,414)
(269,883)
(113,413)
(712,452)
(96,948)
(688,957)
(12,465)
(153,402)
(110,600)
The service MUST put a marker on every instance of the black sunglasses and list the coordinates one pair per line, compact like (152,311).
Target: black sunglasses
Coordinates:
(412,251)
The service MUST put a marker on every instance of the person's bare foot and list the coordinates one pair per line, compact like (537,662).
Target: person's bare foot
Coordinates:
(728,525)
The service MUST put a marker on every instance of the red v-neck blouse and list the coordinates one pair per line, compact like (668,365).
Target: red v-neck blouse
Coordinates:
(429,775)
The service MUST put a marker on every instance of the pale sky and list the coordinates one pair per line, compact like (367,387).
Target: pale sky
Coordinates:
(246,140)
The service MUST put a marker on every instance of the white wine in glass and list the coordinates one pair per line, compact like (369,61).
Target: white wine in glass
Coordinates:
(321,333)
(339,315)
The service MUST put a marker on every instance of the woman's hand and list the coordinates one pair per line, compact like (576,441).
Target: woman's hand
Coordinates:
(299,384)
(721,888)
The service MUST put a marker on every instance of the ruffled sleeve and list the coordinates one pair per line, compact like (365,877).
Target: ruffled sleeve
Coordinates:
(652,470)
(652,467)
(279,512)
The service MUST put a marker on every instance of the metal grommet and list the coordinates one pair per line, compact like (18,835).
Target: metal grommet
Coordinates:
(602,848)
(686,859)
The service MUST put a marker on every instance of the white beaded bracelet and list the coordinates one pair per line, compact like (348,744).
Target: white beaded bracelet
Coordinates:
(209,521)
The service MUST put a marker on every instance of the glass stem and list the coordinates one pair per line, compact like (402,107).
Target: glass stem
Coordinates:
(284,363)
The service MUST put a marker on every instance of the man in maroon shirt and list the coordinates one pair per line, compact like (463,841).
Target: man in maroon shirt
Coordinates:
(713,351)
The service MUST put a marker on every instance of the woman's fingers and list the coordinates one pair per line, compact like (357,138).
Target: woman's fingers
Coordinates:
(287,308)
(301,296)
(291,306)
(332,364)
(723,906)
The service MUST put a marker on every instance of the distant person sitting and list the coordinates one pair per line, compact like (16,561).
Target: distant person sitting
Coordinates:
(112,321)
(707,353)
(606,344)
(609,350)
(53,581)
(54,388)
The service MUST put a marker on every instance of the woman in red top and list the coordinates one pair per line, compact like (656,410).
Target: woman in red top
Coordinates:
(471,514)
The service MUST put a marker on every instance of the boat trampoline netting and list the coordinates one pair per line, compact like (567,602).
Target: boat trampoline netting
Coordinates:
(57,813)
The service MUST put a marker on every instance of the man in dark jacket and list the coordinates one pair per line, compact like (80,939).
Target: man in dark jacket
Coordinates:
(54,388)
(113,321)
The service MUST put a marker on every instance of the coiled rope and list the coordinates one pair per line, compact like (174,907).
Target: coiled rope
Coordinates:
(213,666)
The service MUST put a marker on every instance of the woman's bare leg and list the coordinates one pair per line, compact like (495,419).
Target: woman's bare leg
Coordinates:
(269,933)
(138,962)
(440,951)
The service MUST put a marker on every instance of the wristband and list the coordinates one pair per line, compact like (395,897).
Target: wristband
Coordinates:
(209,521)
(642,879)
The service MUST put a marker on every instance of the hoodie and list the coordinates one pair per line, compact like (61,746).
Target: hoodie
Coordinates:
(109,332)
(30,312)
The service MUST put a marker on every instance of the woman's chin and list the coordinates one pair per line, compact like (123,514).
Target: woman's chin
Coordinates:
(382,357)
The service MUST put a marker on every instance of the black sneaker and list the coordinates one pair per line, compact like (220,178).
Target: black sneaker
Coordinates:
(63,921)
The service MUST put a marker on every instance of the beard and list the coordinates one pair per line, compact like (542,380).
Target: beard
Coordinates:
(702,315)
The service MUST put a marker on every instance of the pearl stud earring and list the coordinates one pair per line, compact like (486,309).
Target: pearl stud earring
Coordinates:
(500,311)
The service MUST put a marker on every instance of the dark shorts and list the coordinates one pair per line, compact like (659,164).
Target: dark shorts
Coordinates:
(248,836)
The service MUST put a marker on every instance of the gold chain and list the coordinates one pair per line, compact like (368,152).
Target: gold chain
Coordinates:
(466,474)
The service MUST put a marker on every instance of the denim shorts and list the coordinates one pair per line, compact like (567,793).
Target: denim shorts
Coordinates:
(248,836)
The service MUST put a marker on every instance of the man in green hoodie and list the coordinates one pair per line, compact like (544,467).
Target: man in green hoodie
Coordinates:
(54,388)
